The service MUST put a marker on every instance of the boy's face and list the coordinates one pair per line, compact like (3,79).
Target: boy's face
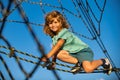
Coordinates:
(55,25)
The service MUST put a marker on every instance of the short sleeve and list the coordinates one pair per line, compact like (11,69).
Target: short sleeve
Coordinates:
(63,34)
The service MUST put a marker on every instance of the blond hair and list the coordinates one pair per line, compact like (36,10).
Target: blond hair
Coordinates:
(48,18)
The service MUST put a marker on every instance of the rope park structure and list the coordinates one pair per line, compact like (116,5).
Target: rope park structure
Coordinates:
(84,12)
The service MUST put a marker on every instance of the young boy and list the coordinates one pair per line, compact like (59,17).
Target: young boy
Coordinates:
(69,48)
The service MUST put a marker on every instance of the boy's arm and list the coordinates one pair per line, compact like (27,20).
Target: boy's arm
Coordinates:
(54,50)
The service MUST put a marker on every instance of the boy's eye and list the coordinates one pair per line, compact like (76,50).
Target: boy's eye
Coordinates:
(50,22)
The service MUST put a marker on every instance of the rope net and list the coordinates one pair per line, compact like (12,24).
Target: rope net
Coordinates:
(30,13)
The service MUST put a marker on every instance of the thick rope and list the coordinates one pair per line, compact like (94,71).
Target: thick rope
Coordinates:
(99,70)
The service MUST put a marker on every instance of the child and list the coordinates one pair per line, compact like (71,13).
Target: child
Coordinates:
(69,48)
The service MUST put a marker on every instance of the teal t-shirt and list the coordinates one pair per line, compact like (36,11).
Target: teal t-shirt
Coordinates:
(72,43)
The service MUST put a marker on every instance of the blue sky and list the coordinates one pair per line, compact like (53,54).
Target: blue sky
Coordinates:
(20,38)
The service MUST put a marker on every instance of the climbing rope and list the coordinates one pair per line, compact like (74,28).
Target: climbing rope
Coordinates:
(12,50)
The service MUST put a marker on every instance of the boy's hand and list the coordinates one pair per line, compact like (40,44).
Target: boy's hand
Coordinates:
(44,59)
(51,66)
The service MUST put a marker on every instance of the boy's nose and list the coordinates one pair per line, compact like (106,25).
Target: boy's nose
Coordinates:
(53,24)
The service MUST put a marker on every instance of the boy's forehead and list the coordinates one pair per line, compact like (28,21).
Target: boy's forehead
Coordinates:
(54,19)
